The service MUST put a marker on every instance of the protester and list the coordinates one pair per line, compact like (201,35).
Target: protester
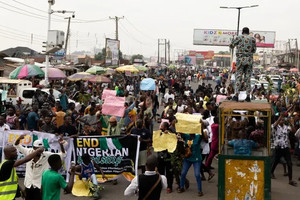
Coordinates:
(36,167)
(281,147)
(9,188)
(246,47)
(86,171)
(52,181)
(192,141)
(145,139)
(149,184)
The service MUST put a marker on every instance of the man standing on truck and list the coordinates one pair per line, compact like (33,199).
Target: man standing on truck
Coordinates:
(245,48)
(63,100)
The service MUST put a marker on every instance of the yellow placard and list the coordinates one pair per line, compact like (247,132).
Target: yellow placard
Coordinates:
(81,188)
(244,179)
(164,141)
(187,123)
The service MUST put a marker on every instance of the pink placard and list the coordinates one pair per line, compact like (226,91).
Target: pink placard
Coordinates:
(108,93)
(114,106)
(220,98)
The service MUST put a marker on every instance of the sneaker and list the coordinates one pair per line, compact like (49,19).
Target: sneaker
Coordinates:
(235,98)
(200,194)
(169,190)
(248,99)
(273,176)
(180,190)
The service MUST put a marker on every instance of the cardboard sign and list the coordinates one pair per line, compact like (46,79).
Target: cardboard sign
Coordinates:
(188,123)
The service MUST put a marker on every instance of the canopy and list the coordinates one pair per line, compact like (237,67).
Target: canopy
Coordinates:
(127,68)
(148,84)
(99,79)
(283,69)
(271,68)
(55,73)
(294,70)
(25,71)
(172,67)
(141,68)
(80,76)
(96,70)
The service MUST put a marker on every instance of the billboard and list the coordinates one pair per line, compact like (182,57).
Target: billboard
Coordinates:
(219,37)
(202,55)
(112,52)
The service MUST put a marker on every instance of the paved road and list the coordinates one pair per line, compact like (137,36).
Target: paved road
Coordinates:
(280,188)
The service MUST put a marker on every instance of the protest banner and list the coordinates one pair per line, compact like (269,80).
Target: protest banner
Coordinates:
(116,155)
(50,142)
(114,106)
(108,93)
(164,141)
(187,123)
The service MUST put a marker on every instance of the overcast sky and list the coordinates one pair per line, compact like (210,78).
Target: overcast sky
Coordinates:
(145,22)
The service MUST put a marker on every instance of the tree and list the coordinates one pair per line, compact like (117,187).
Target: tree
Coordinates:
(137,56)
(101,55)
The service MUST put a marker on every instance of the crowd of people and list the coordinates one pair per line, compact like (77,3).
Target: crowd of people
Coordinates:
(143,110)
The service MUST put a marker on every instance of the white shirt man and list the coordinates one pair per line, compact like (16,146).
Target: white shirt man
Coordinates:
(34,170)
(168,96)
(133,187)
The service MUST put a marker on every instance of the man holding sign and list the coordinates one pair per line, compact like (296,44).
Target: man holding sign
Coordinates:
(36,167)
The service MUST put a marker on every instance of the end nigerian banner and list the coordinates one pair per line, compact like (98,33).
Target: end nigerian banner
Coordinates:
(50,142)
(115,155)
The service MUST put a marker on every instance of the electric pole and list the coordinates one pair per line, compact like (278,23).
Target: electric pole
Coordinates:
(67,37)
(164,42)
(165,51)
(117,25)
(169,52)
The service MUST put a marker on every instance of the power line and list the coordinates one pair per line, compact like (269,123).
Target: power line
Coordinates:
(31,13)
(74,20)
(18,30)
(22,13)
(21,35)
(129,35)
(17,39)
(139,30)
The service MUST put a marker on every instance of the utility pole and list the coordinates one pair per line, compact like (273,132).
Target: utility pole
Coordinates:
(67,37)
(50,2)
(297,54)
(169,52)
(158,52)
(165,51)
(117,25)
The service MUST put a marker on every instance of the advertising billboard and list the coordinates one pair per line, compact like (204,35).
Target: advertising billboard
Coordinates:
(219,37)
(202,55)
(112,52)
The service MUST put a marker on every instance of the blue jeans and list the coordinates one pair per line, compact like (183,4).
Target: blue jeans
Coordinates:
(186,166)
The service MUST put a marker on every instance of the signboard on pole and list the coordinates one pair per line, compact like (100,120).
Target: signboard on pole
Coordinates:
(219,37)
(112,48)
(202,55)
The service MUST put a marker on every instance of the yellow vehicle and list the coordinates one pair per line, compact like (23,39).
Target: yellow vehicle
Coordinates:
(244,176)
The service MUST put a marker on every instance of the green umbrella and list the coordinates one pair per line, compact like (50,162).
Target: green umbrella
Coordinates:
(172,67)
(25,71)
(141,68)
(96,70)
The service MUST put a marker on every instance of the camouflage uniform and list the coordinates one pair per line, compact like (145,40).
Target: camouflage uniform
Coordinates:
(246,47)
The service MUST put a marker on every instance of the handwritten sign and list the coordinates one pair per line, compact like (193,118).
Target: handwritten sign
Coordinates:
(164,141)
(108,93)
(114,106)
(187,123)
